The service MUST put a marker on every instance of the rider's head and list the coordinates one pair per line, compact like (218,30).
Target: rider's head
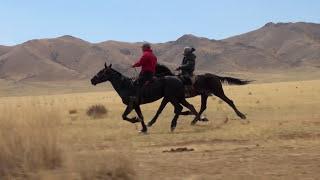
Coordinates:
(188,50)
(145,46)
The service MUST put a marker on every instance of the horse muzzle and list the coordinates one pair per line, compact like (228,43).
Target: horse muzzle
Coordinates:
(93,82)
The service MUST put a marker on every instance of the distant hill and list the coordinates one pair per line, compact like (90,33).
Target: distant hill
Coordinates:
(4,49)
(274,47)
(290,44)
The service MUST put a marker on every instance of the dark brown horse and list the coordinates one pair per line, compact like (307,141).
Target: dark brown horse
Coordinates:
(163,87)
(205,85)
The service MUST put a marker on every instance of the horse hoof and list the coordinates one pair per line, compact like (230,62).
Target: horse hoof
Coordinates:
(193,123)
(143,131)
(204,119)
(172,129)
(149,124)
(242,116)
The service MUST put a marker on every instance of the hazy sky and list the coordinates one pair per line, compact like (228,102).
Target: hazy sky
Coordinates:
(145,20)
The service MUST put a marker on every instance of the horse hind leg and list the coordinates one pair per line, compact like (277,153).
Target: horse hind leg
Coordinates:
(231,104)
(217,90)
(163,104)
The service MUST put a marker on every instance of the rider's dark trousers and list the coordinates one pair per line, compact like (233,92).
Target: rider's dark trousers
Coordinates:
(143,78)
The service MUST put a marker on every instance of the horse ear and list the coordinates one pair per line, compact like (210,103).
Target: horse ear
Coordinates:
(110,65)
(105,65)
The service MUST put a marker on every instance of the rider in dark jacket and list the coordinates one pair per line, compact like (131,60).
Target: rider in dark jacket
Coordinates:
(188,64)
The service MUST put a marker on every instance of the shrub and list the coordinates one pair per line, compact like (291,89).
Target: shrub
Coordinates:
(97,111)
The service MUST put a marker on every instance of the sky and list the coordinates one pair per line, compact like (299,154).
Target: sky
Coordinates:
(145,20)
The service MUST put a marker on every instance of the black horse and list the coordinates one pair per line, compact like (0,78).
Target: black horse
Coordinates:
(205,85)
(170,88)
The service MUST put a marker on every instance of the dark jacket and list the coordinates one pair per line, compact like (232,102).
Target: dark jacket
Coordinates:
(148,62)
(188,64)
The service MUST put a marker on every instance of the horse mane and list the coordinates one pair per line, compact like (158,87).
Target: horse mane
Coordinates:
(120,74)
(163,70)
(127,82)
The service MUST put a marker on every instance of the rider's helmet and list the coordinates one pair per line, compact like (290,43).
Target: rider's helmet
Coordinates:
(188,50)
(146,46)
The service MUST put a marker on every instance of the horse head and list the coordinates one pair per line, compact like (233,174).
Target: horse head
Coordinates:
(103,75)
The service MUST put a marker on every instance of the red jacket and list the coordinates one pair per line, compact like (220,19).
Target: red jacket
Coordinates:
(148,62)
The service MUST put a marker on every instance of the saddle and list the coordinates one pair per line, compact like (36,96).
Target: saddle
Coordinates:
(142,90)
(188,82)
(154,78)
(147,88)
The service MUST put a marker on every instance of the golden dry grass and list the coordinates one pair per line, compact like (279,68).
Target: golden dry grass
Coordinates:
(35,145)
(29,142)
(281,140)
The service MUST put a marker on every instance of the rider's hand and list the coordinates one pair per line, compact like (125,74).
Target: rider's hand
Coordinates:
(178,68)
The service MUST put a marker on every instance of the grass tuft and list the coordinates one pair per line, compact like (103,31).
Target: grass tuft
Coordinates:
(97,111)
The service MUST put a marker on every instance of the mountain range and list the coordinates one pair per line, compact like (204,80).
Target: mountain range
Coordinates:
(275,47)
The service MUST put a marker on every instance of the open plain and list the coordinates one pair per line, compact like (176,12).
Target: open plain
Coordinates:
(51,137)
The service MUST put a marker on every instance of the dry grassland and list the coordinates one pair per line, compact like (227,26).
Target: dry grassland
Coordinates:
(52,137)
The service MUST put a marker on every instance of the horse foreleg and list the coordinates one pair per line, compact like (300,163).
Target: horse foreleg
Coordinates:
(204,98)
(163,104)
(139,113)
(125,115)
(218,91)
(185,103)
(177,110)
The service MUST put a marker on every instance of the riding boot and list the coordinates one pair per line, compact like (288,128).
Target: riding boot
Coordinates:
(134,100)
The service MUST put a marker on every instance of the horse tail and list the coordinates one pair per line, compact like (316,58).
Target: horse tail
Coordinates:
(234,81)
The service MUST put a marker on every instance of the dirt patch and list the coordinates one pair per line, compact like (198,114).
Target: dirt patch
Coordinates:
(180,149)
(213,141)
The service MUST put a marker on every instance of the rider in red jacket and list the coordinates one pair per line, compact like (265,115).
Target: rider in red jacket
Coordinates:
(147,62)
